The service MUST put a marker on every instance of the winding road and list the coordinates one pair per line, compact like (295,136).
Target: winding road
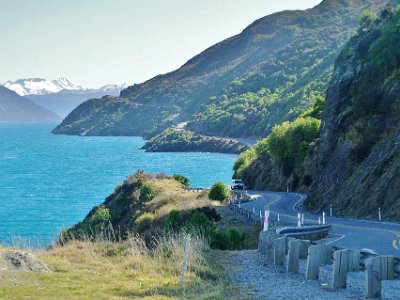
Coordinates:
(381,237)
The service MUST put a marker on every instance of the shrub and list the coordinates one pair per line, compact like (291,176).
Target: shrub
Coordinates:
(219,191)
(101,216)
(290,141)
(182,179)
(174,221)
(211,213)
(202,224)
(244,160)
(147,192)
(228,239)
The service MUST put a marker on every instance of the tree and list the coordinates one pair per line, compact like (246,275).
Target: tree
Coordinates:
(219,191)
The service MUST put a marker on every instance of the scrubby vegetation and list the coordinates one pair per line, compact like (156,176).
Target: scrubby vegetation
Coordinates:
(204,223)
(286,147)
(147,192)
(156,206)
(219,191)
(182,179)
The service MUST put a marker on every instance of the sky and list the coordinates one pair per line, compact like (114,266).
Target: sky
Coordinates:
(98,42)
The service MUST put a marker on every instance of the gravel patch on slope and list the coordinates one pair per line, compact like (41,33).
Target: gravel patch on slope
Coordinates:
(258,281)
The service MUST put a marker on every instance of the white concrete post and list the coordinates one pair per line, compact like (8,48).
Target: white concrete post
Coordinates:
(278,218)
(302,219)
(266,221)
(323,218)
(379,214)
(330,211)
(319,220)
(261,216)
(298,220)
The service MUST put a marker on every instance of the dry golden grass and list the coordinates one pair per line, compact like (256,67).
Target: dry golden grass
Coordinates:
(128,270)
(172,195)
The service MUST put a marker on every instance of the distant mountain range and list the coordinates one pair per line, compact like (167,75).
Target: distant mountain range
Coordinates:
(60,95)
(15,108)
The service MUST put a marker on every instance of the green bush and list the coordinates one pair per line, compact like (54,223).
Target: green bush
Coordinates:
(182,179)
(228,239)
(219,191)
(244,160)
(147,192)
(173,221)
(202,224)
(101,216)
(290,141)
(316,110)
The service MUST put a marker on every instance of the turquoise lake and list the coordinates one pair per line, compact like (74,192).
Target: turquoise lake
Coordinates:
(49,182)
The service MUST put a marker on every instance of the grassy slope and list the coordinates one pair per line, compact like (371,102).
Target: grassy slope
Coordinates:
(85,270)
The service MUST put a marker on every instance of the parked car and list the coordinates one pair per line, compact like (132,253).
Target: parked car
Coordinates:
(237,184)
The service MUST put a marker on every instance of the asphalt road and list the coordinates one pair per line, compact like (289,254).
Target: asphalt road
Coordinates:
(381,237)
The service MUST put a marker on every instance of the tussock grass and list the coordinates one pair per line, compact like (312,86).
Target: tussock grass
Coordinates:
(124,270)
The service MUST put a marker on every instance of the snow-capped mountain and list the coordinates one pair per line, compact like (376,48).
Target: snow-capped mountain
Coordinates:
(40,86)
(61,95)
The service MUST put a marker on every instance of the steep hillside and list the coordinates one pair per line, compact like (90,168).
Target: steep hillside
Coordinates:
(358,167)
(239,87)
(14,108)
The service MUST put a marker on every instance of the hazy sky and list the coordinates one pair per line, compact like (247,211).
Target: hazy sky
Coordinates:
(95,42)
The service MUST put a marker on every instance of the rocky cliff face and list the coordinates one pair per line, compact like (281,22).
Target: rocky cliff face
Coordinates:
(358,167)
(283,59)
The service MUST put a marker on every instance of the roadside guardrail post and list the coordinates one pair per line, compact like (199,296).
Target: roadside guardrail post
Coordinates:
(379,214)
(304,244)
(354,261)
(293,256)
(373,284)
(314,260)
(387,267)
(280,251)
(340,267)
(326,258)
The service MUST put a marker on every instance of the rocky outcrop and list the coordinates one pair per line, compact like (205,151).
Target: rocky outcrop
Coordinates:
(12,260)
(358,167)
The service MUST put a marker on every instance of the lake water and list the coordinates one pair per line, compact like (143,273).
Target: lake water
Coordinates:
(49,182)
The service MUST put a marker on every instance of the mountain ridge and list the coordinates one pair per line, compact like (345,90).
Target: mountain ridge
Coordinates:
(15,108)
(251,61)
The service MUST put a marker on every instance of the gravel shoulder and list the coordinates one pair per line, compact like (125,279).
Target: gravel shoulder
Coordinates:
(257,281)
